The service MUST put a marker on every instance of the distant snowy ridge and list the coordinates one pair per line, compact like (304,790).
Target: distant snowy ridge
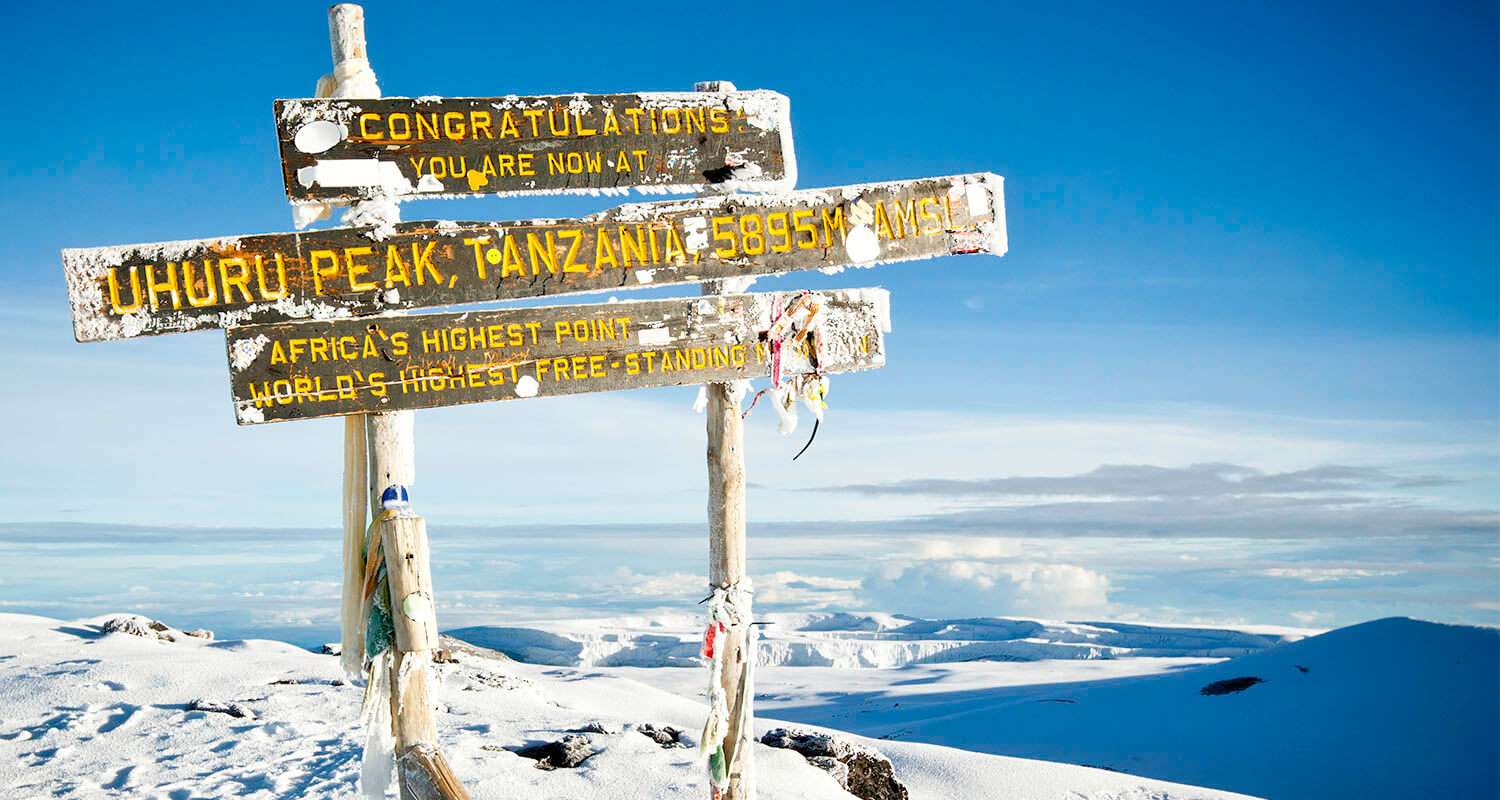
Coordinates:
(855,641)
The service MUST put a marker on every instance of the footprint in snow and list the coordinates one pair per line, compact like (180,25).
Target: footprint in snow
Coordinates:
(120,781)
(124,713)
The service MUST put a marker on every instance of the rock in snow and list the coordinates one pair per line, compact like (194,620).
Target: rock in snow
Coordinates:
(861,770)
(135,626)
(666,736)
(213,707)
(567,752)
(1231,685)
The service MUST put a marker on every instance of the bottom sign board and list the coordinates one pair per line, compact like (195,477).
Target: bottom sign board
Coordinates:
(297,370)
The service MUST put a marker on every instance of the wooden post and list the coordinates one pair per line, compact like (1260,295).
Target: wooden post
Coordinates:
(726,548)
(422,771)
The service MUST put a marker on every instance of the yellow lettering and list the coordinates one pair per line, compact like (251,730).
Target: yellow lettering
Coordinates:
(114,292)
(241,280)
(357,269)
(604,252)
(153,288)
(422,262)
(319,273)
(191,285)
(569,263)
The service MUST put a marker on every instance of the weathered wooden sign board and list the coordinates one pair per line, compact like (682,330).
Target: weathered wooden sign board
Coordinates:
(138,290)
(321,368)
(441,147)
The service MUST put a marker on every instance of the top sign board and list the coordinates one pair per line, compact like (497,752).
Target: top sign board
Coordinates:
(666,142)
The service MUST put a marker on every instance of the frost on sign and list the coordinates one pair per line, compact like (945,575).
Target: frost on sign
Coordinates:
(137,290)
(439,147)
(297,370)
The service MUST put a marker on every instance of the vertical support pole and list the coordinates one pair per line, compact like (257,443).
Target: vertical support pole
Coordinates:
(390,442)
(726,570)
(726,552)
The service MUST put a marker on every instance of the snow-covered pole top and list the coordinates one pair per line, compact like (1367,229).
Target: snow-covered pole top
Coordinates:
(352,76)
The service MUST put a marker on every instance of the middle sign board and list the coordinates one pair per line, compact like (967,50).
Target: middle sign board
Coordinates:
(138,290)
(298,370)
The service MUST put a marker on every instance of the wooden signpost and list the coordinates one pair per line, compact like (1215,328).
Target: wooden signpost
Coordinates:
(298,370)
(313,327)
(448,147)
(140,290)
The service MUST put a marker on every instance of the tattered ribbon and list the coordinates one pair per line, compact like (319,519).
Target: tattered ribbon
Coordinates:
(728,609)
(797,324)
(379,650)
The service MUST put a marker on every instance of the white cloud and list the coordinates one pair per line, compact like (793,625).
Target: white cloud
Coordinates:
(958,588)
(781,588)
(979,547)
(1328,574)
(671,585)
(805,592)
(1308,618)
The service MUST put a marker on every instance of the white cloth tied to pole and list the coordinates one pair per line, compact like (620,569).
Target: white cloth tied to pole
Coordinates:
(799,324)
(728,610)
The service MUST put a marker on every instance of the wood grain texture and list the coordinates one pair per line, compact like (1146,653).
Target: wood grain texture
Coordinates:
(342,272)
(548,144)
(726,568)
(426,775)
(299,370)
(409,572)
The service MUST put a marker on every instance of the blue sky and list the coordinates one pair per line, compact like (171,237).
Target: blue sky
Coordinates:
(1263,237)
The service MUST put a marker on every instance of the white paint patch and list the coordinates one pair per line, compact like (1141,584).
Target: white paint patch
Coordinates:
(696,229)
(417,606)
(349,173)
(644,275)
(862,245)
(526,386)
(318,136)
(861,213)
(249,415)
(244,352)
(654,337)
(429,183)
(979,200)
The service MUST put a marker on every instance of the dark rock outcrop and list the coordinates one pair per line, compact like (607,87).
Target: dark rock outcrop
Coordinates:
(1229,686)
(567,752)
(215,707)
(666,736)
(862,771)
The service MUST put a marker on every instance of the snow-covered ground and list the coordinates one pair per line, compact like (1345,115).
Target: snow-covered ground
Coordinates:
(92,715)
(1394,708)
(1388,709)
